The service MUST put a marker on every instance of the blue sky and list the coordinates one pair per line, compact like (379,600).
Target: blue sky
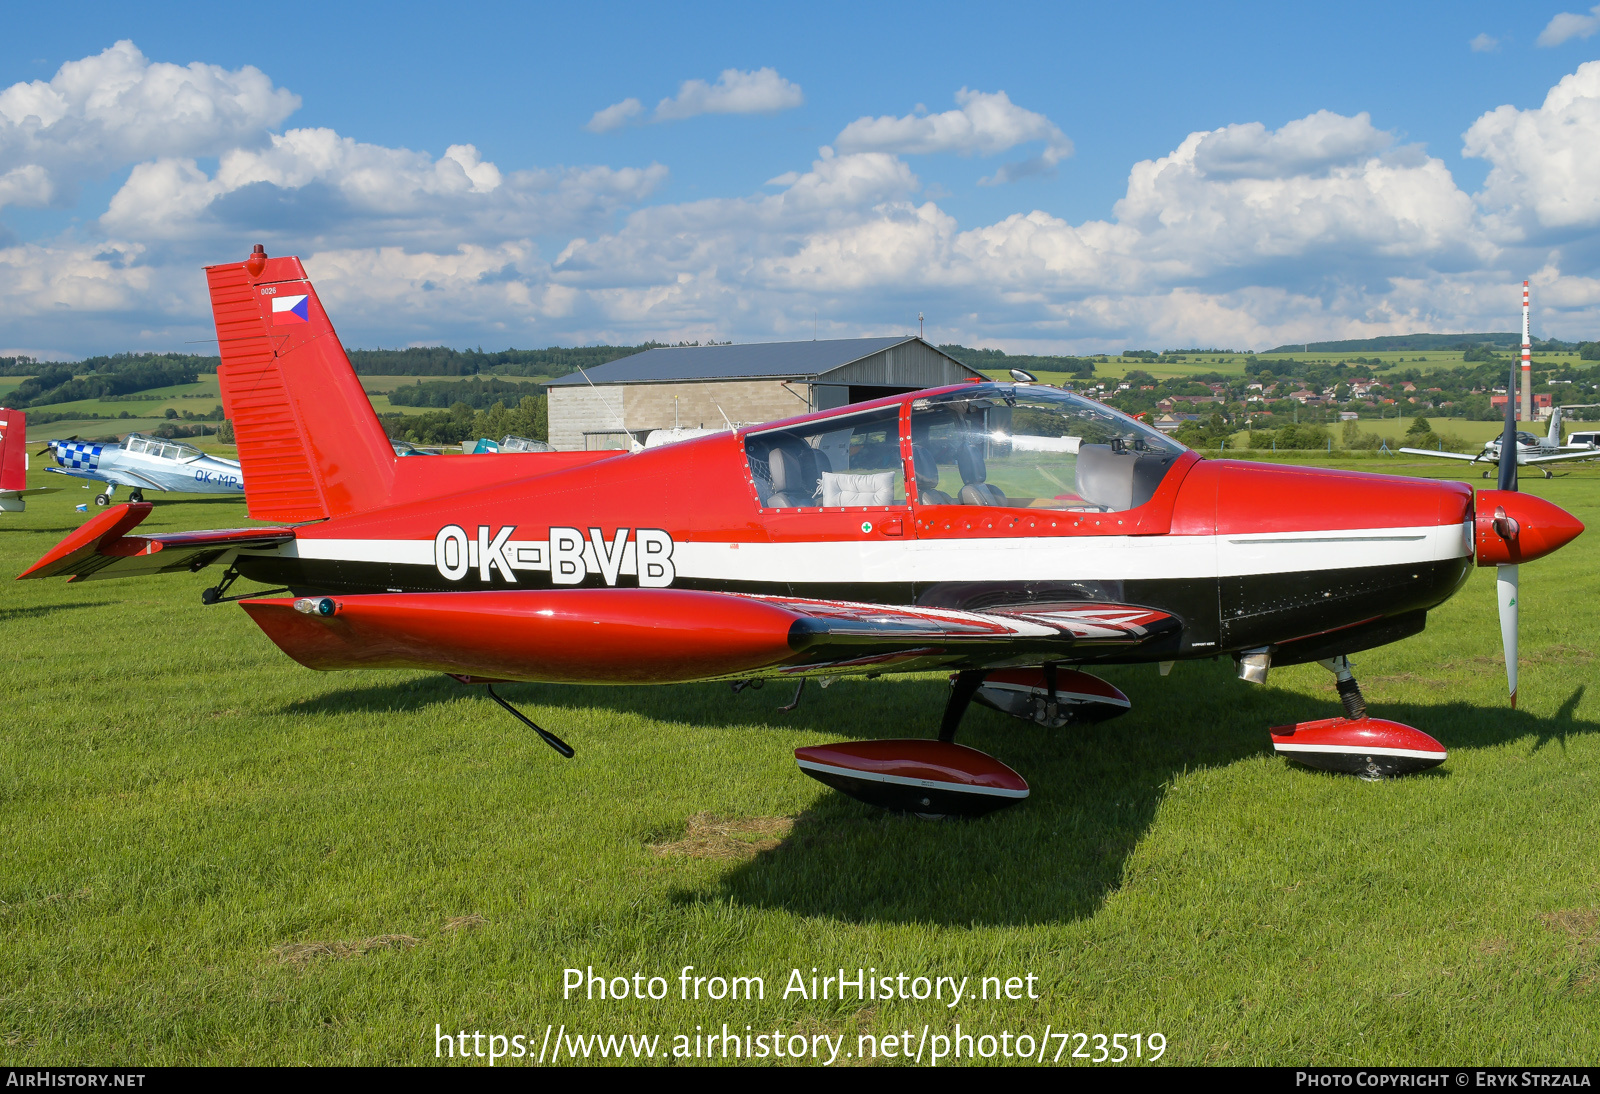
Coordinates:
(1304,171)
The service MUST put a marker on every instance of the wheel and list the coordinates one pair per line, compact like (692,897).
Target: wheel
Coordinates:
(1486,474)
(137,495)
(1548,474)
(102,500)
(210,596)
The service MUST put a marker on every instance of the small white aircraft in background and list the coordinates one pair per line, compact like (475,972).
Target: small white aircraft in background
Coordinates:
(1532,450)
(146,463)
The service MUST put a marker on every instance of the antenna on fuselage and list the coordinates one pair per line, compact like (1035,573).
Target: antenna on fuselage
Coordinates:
(633,444)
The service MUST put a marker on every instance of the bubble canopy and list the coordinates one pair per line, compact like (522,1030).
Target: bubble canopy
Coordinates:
(1034,447)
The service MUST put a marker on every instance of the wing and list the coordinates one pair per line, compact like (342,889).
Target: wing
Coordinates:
(1590,454)
(101,547)
(76,474)
(127,476)
(677,635)
(1443,455)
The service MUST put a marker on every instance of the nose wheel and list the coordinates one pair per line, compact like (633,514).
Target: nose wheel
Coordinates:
(1356,744)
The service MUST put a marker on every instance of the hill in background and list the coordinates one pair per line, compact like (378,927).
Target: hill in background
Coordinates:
(1392,342)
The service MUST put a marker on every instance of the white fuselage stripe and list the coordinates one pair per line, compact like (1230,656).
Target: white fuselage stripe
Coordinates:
(875,558)
(1359,750)
(904,780)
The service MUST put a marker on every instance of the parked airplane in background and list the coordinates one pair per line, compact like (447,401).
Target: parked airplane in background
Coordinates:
(506,444)
(146,463)
(1532,450)
(14,490)
(1012,534)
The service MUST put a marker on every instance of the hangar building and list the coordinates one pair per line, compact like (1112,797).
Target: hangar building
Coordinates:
(695,386)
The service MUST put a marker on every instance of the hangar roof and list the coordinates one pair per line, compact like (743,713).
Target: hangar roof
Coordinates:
(795,360)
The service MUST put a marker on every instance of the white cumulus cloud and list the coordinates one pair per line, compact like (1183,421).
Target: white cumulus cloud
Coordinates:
(1484,43)
(117,107)
(1327,226)
(313,186)
(1544,161)
(615,116)
(761,91)
(1567,26)
(986,124)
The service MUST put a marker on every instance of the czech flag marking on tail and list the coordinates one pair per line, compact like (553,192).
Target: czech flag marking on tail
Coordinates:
(290,309)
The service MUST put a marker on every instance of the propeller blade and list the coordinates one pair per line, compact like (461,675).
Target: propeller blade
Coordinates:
(1508,440)
(1506,576)
(1506,588)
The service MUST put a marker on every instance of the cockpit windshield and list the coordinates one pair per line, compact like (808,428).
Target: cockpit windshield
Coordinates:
(1031,446)
(161,449)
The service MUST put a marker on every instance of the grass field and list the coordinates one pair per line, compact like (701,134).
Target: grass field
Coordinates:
(211,855)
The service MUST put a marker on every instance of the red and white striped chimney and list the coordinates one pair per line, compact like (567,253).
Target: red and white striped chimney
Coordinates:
(1527,361)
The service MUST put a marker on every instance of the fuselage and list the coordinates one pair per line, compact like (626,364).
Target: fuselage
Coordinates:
(149,463)
(1243,555)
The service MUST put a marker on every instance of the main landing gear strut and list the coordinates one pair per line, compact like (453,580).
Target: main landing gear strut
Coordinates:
(1369,748)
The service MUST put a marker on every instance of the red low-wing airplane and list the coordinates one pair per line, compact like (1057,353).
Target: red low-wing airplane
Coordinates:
(1008,532)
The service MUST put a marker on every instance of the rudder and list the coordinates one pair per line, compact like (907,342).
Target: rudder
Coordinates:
(13,450)
(309,442)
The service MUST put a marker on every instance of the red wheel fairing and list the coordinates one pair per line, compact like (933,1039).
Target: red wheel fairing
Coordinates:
(916,776)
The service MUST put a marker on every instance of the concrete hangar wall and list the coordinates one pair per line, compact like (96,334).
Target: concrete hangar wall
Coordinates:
(697,386)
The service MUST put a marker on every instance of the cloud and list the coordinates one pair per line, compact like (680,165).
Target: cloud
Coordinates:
(1543,161)
(615,116)
(1235,235)
(315,187)
(1483,43)
(1327,226)
(1567,26)
(117,107)
(1308,146)
(762,91)
(987,124)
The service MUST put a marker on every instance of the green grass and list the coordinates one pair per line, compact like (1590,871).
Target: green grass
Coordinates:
(179,803)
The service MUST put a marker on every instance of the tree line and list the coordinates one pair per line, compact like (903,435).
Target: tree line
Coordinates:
(477,393)
(56,384)
(1079,367)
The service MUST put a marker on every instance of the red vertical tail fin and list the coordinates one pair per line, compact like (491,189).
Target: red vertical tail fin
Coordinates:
(310,444)
(13,450)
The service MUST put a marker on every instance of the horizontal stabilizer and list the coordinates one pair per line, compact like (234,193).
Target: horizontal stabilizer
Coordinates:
(101,547)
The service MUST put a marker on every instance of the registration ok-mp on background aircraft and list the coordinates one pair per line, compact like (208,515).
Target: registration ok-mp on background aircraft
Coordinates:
(145,463)
(1008,533)
(1531,450)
